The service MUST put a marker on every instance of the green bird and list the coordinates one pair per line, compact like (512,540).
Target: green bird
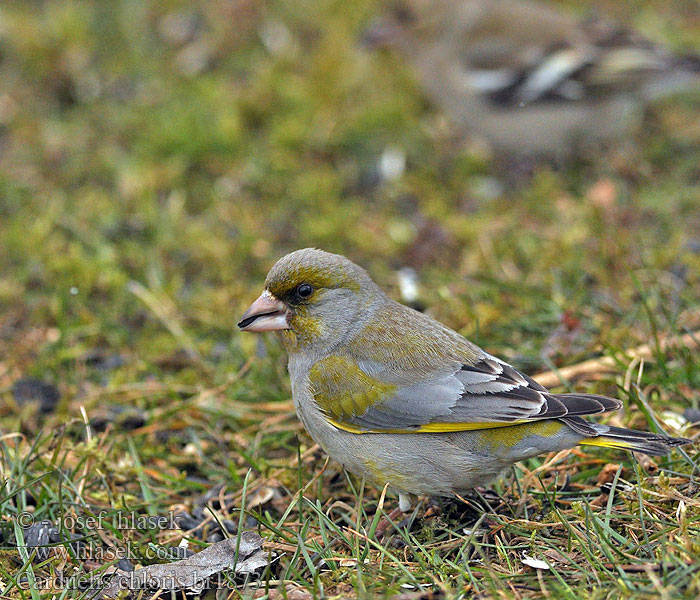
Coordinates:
(400,399)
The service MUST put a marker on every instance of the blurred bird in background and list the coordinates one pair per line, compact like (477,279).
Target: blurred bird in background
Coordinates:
(531,80)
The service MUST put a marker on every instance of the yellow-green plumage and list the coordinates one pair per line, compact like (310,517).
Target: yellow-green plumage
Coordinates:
(341,389)
(409,340)
(399,398)
(507,437)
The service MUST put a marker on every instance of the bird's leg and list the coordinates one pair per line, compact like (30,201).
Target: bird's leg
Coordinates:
(405,503)
(386,521)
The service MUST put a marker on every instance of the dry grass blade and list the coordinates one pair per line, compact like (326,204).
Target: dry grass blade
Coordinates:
(606,364)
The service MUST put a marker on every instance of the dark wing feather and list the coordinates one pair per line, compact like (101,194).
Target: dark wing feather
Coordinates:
(488,391)
(509,395)
(604,60)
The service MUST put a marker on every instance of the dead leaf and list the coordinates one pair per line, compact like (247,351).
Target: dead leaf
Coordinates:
(432,244)
(607,474)
(647,463)
(535,563)
(569,337)
(554,555)
(193,573)
(600,500)
(262,496)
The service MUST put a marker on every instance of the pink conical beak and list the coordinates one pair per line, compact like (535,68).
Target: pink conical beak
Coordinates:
(267,313)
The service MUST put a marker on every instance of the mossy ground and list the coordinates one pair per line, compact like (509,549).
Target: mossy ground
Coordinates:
(155,160)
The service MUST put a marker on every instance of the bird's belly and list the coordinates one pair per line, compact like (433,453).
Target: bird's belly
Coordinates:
(550,129)
(433,463)
(424,463)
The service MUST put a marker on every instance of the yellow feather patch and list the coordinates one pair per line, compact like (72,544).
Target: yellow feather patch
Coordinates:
(380,474)
(404,340)
(475,426)
(304,331)
(429,427)
(281,283)
(494,433)
(507,438)
(343,390)
(604,442)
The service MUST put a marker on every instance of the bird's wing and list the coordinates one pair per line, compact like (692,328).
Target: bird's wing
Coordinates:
(363,397)
(515,66)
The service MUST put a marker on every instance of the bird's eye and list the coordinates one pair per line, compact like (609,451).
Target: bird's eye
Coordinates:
(304,290)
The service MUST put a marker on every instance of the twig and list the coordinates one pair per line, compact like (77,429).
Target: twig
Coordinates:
(605,364)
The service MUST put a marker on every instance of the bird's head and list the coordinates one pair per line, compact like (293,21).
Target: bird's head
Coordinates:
(313,298)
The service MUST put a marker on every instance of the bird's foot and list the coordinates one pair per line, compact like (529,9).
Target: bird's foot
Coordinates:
(385,522)
(405,504)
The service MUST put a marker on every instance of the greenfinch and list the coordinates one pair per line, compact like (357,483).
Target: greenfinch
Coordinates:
(400,399)
(527,77)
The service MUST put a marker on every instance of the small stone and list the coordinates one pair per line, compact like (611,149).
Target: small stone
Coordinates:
(126,418)
(125,564)
(229,525)
(186,521)
(30,389)
(215,537)
(692,415)
(39,536)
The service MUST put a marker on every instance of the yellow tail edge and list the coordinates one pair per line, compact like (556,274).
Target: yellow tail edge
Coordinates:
(603,442)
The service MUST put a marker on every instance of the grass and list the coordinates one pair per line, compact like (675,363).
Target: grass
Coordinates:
(156,159)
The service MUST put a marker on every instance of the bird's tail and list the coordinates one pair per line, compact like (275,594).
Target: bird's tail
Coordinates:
(681,74)
(629,439)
